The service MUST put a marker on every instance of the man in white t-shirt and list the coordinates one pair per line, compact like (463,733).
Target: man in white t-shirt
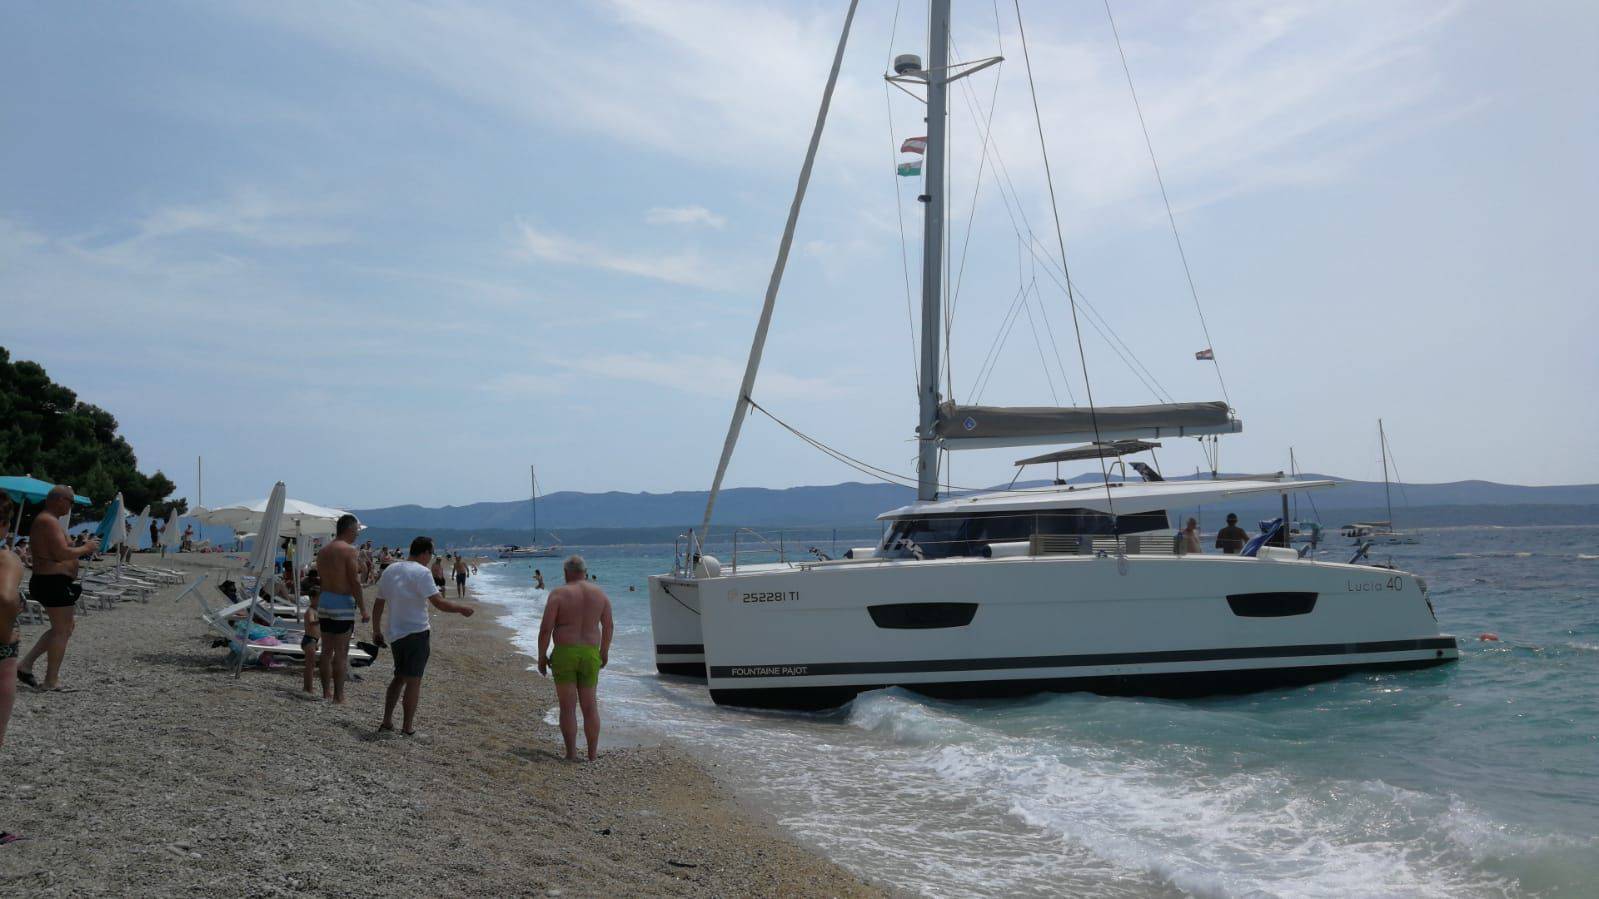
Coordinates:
(405,590)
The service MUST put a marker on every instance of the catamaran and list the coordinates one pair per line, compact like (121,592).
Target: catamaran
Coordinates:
(1001,592)
(537,550)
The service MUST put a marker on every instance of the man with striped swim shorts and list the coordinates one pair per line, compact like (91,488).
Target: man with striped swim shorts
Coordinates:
(577,616)
(336,607)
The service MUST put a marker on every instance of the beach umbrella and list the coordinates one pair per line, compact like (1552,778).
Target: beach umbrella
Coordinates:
(113,529)
(27,489)
(298,517)
(171,538)
(302,558)
(22,487)
(265,553)
(141,524)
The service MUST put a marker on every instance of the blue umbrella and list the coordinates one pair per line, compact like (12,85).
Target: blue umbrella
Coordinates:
(112,528)
(22,487)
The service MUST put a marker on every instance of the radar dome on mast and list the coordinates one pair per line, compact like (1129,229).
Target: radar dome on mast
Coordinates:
(907,64)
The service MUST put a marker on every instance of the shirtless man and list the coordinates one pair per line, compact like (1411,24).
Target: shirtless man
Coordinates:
(578,617)
(53,585)
(337,605)
(460,576)
(437,570)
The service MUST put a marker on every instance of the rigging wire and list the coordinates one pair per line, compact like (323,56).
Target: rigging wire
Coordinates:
(971,215)
(899,204)
(1159,179)
(1053,343)
(1102,326)
(866,468)
(1049,378)
(1388,448)
(992,359)
(1060,239)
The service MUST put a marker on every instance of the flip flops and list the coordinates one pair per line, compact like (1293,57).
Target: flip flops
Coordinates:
(6,838)
(27,677)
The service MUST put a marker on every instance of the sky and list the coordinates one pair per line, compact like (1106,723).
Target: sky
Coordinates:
(394,252)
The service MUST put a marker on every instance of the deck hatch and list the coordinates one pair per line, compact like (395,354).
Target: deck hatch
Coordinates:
(1271,605)
(923,615)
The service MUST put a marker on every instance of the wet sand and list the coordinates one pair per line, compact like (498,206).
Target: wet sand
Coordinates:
(161,774)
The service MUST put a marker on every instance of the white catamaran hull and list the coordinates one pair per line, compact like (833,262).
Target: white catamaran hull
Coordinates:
(814,636)
(675,626)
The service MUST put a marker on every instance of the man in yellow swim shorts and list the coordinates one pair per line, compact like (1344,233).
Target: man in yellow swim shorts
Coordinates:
(577,616)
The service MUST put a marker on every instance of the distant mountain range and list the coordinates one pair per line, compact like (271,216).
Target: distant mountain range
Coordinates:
(856,505)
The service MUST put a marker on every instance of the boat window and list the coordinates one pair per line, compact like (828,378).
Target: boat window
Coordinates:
(923,615)
(1271,605)
(944,536)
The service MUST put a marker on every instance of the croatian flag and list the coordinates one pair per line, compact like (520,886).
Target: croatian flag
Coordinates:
(914,145)
(1205,354)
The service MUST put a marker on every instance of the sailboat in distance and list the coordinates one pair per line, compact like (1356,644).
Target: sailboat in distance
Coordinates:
(1069,586)
(536,550)
(1362,532)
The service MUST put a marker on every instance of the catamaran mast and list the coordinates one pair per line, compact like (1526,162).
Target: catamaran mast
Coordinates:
(533,477)
(937,70)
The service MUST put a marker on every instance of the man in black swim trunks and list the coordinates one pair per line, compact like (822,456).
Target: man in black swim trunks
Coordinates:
(54,585)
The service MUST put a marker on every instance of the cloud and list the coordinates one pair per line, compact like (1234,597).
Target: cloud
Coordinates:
(524,385)
(700,375)
(684,268)
(684,215)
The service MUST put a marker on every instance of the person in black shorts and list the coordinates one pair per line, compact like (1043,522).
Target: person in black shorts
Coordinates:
(405,592)
(54,585)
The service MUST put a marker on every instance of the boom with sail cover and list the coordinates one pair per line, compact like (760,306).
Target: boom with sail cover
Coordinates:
(979,427)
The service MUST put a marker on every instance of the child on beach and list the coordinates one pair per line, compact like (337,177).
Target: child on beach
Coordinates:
(312,585)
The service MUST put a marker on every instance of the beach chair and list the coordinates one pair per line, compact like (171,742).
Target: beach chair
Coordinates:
(242,648)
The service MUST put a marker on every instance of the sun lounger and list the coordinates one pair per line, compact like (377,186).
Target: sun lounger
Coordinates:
(241,646)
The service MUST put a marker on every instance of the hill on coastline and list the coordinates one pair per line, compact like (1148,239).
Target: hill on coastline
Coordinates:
(856,505)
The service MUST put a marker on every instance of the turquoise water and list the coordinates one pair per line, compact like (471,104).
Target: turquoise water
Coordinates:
(1480,778)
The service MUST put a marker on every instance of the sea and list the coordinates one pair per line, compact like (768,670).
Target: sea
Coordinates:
(1479,778)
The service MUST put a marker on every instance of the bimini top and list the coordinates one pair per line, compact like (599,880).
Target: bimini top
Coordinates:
(1111,450)
(1126,497)
(977,427)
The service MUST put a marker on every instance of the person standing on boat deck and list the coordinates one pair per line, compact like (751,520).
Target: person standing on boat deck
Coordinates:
(578,617)
(1188,540)
(1231,539)
(405,590)
(53,585)
(337,605)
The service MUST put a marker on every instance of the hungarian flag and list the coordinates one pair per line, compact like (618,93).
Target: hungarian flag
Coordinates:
(1205,354)
(914,167)
(914,145)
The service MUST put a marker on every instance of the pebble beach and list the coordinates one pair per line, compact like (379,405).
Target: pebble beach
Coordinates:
(158,773)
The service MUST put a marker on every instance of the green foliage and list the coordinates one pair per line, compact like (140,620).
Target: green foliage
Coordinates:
(46,432)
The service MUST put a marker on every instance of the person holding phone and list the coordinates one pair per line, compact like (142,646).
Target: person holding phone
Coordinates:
(54,585)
